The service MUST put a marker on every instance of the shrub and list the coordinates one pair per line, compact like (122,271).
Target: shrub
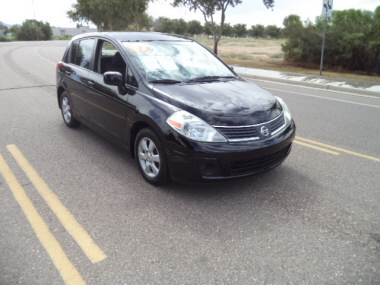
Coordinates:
(352,40)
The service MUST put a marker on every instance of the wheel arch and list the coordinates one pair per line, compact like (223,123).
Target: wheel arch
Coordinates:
(60,90)
(138,126)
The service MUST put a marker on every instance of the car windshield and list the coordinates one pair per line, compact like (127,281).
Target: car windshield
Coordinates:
(177,61)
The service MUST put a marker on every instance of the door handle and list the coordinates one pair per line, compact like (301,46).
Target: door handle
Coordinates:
(91,83)
(67,72)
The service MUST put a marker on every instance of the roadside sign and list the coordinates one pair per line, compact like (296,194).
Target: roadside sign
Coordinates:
(326,13)
(327,8)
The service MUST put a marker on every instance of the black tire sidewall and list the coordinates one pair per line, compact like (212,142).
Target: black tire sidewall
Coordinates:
(162,176)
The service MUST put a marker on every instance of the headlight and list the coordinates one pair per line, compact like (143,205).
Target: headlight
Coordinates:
(194,128)
(288,116)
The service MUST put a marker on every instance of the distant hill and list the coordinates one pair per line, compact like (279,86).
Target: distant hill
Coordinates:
(5,25)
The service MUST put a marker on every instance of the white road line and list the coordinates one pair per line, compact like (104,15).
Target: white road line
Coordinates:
(326,98)
(313,88)
(43,58)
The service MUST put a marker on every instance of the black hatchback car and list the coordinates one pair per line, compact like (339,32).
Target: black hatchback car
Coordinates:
(178,108)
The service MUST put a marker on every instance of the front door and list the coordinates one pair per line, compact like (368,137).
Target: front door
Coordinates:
(108,108)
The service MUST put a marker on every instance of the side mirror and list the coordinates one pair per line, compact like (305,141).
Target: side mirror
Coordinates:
(113,78)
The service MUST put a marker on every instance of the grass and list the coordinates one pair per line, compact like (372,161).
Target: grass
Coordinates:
(238,56)
(12,39)
(267,54)
(66,37)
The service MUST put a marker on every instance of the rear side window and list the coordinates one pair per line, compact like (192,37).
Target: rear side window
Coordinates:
(70,55)
(84,53)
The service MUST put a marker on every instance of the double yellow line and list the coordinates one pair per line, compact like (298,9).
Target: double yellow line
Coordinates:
(67,270)
(330,149)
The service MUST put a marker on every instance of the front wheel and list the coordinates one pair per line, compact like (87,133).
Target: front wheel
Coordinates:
(150,157)
(66,111)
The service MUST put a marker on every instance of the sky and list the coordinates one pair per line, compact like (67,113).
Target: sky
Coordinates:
(250,12)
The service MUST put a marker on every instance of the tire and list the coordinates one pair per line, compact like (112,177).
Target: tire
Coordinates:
(66,111)
(150,157)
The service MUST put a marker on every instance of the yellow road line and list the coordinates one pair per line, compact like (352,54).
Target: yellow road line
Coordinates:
(86,243)
(340,149)
(65,268)
(316,147)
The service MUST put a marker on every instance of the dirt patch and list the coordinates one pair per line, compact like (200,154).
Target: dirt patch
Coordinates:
(247,48)
(267,54)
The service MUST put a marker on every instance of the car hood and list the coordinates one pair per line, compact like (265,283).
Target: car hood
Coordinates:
(222,103)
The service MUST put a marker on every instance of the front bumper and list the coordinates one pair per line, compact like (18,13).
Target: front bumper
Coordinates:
(195,161)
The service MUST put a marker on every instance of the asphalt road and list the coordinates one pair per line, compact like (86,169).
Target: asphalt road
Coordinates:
(75,209)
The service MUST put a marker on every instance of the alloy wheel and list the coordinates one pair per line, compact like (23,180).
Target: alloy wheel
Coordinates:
(149,157)
(66,109)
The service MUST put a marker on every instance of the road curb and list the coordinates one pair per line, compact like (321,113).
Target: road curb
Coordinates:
(312,84)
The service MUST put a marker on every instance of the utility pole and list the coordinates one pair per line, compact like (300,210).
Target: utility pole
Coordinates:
(35,22)
(326,13)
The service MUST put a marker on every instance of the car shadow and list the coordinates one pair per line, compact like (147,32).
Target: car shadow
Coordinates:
(261,200)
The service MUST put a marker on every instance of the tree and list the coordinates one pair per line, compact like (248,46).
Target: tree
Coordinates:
(180,26)
(292,24)
(352,40)
(136,9)
(14,30)
(209,7)
(273,31)
(32,30)
(293,31)
(228,30)
(147,22)
(164,25)
(375,42)
(194,27)
(207,29)
(111,14)
(4,28)
(349,39)
(257,31)
(240,30)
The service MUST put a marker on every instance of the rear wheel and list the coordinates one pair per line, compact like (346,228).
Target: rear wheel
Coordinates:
(150,157)
(66,111)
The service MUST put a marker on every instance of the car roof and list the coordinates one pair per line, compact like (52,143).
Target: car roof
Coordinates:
(134,36)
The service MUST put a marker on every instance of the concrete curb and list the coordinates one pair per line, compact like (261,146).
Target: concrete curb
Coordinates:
(312,84)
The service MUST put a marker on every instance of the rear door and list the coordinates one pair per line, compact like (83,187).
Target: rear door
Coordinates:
(76,72)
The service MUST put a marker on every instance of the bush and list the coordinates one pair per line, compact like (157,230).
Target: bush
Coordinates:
(352,40)
(5,39)
(32,30)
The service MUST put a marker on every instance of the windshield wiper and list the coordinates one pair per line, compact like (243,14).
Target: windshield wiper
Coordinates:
(210,78)
(165,81)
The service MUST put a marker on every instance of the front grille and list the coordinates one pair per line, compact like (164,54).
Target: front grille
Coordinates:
(238,133)
(276,124)
(258,164)
(251,132)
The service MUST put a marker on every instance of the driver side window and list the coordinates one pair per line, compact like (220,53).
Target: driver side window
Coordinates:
(110,59)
